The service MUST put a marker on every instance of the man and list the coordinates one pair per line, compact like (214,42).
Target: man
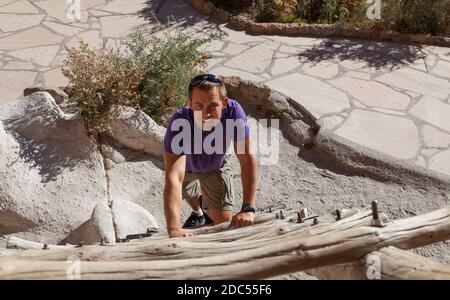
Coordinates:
(202,176)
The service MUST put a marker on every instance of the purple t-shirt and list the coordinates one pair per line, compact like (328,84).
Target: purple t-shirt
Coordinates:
(205,150)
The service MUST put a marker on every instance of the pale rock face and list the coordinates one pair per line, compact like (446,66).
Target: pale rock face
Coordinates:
(99,227)
(57,94)
(53,184)
(55,176)
(103,221)
(3,146)
(137,131)
(131,218)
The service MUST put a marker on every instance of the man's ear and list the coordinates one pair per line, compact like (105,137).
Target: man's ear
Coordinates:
(225,101)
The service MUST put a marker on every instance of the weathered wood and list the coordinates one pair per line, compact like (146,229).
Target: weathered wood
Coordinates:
(18,243)
(201,246)
(293,251)
(387,263)
(7,252)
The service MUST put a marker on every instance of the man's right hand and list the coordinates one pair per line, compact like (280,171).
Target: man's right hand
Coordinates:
(180,233)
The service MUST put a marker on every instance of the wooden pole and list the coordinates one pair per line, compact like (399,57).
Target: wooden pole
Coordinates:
(387,263)
(299,248)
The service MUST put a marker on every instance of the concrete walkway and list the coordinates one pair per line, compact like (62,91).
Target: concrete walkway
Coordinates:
(392,98)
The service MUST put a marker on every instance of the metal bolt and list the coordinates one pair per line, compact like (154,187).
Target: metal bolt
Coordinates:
(276,215)
(375,210)
(80,244)
(376,222)
(152,230)
(102,242)
(304,213)
(315,221)
(281,215)
(45,247)
(338,215)
(270,210)
(299,217)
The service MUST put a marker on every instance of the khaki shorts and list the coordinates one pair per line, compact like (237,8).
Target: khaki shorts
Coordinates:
(216,188)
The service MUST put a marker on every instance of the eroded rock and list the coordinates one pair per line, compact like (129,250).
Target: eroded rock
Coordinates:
(53,176)
(137,131)
(131,218)
(99,227)
(57,94)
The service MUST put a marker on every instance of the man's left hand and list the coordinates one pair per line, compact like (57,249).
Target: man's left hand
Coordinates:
(243,219)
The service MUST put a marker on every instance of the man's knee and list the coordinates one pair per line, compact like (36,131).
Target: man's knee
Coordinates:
(220,216)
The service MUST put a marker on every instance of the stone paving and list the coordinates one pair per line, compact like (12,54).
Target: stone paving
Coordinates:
(389,97)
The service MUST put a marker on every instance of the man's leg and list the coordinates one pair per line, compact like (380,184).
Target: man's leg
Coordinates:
(217,194)
(192,194)
(220,216)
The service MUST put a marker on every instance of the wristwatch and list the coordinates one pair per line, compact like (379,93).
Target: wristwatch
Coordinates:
(248,208)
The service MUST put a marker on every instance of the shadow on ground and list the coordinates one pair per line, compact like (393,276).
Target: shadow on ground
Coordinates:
(375,54)
(162,14)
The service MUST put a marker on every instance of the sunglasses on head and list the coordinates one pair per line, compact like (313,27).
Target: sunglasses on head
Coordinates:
(204,77)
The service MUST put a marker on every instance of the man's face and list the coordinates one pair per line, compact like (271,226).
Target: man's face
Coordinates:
(207,107)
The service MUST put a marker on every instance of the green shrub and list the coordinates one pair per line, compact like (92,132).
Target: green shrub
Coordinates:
(233,6)
(406,16)
(309,10)
(264,11)
(418,16)
(326,11)
(169,62)
(152,74)
(274,11)
(333,11)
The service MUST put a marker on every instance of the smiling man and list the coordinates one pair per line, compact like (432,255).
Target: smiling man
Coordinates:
(196,168)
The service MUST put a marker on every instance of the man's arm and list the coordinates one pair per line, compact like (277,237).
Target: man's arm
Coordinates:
(249,174)
(174,166)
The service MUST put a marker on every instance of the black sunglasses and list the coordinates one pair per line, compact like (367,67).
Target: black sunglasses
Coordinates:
(204,77)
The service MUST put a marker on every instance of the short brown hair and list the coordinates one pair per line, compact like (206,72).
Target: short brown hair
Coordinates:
(207,86)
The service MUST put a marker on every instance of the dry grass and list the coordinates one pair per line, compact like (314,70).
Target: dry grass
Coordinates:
(100,82)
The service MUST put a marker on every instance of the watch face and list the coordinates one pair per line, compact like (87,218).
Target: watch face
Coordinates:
(248,208)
